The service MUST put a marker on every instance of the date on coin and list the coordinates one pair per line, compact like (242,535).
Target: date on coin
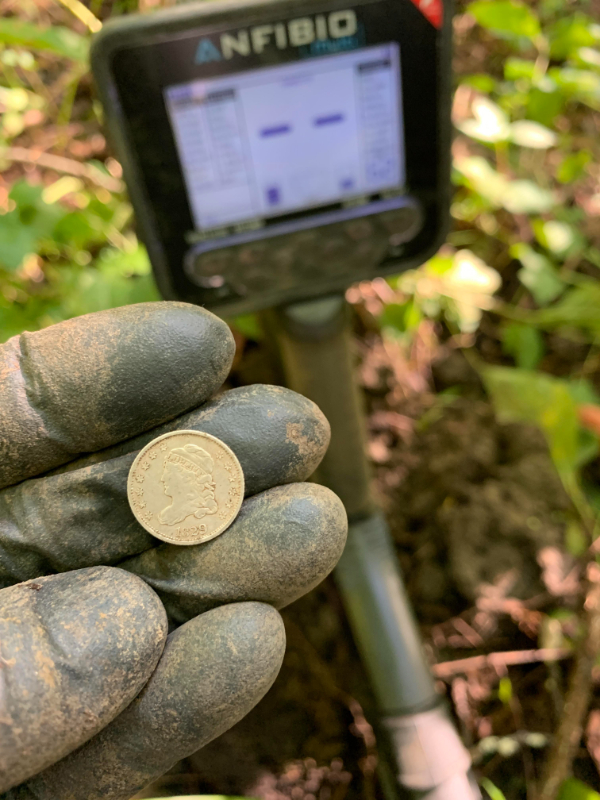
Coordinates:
(185,487)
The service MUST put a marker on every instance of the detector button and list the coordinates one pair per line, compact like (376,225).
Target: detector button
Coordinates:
(359,229)
(210,270)
(403,224)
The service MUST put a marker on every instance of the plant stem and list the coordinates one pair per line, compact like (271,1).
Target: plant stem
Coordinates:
(568,735)
(66,108)
(83,14)
(502,162)
(68,166)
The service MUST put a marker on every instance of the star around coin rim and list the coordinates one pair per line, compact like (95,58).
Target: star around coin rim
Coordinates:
(200,434)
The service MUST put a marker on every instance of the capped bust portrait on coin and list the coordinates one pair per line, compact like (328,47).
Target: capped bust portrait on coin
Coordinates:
(186,487)
(188,480)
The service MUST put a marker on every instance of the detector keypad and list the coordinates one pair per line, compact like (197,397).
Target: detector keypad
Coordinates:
(350,247)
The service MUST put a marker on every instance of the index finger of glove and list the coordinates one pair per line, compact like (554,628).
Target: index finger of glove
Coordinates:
(81,516)
(90,382)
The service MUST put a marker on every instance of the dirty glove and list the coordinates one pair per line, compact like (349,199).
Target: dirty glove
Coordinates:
(95,700)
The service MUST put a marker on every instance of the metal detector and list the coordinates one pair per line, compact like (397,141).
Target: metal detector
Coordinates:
(277,151)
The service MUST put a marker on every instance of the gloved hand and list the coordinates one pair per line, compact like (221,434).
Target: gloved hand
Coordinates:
(95,700)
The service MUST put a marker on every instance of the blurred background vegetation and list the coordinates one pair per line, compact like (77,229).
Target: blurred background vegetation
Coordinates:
(511,303)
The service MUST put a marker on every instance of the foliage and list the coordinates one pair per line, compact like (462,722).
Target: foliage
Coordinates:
(66,240)
(46,251)
(507,18)
(520,167)
(525,168)
(528,155)
(521,395)
(492,790)
(459,286)
(523,343)
(58,40)
(522,122)
(576,790)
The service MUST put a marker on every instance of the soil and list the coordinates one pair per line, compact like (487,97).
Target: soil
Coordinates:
(478,516)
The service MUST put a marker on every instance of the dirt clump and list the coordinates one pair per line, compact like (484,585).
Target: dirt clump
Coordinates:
(478,502)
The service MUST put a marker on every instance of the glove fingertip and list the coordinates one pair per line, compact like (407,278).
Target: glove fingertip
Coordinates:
(213,671)
(77,648)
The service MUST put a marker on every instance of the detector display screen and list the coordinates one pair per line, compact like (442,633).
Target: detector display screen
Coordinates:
(267,142)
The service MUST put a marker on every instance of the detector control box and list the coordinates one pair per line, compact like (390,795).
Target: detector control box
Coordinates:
(278,150)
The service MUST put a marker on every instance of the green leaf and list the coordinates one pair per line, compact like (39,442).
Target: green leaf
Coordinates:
(588,448)
(579,84)
(518,197)
(18,58)
(524,343)
(79,230)
(23,229)
(578,308)
(394,316)
(480,81)
(527,133)
(569,34)
(573,789)
(492,789)
(545,103)
(506,17)
(489,123)
(576,541)
(524,396)
(119,278)
(400,317)
(505,690)
(526,197)
(125,262)
(560,238)
(438,265)
(97,291)
(16,241)
(517,68)
(16,99)
(58,40)
(538,274)
(582,391)
(587,56)
(592,495)
(573,166)
(248,326)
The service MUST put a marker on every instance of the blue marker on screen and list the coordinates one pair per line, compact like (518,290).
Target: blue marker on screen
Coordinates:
(273,196)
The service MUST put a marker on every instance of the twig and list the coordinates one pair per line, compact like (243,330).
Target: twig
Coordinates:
(61,164)
(528,765)
(568,735)
(468,632)
(507,659)
(83,14)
